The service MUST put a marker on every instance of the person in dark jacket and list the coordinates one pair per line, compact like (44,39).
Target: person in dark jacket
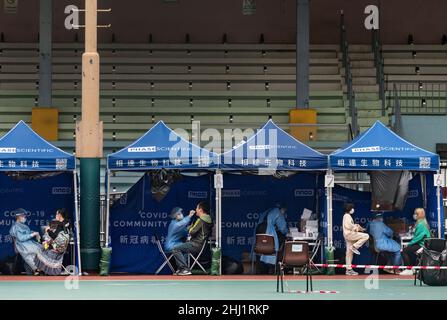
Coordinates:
(198,232)
(49,261)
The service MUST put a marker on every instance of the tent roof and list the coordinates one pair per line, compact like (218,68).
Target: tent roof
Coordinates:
(22,149)
(272,148)
(379,148)
(161,147)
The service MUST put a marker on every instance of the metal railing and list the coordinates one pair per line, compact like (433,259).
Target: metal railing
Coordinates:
(428,98)
(378,63)
(397,125)
(346,62)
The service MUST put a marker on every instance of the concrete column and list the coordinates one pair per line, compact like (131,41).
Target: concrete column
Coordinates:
(302,54)
(45,53)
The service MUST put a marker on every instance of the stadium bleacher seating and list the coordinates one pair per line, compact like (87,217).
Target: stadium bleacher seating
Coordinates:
(222,85)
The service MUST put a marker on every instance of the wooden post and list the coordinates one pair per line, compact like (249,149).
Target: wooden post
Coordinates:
(89,144)
(89,135)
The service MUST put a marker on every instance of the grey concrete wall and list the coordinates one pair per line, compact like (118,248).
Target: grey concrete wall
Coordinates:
(425,131)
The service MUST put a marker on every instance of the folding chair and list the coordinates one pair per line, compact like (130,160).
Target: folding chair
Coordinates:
(376,252)
(72,253)
(19,260)
(264,245)
(197,257)
(167,258)
(296,254)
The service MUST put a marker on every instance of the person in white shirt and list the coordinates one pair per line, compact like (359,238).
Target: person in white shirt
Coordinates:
(354,236)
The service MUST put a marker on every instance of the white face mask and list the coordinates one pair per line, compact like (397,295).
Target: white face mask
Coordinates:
(352,211)
(415,216)
(23,220)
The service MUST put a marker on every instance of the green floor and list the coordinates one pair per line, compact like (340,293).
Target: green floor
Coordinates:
(219,290)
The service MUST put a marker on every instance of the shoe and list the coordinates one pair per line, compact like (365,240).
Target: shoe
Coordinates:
(354,250)
(176,272)
(407,273)
(390,271)
(351,273)
(185,273)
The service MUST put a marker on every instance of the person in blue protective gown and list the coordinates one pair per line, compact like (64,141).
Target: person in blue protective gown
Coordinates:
(177,230)
(383,239)
(25,239)
(275,223)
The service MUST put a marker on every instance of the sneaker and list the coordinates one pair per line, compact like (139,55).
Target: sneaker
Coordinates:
(391,271)
(351,273)
(185,273)
(354,250)
(406,273)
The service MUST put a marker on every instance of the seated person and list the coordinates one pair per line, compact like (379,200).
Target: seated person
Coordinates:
(56,241)
(199,232)
(383,239)
(276,226)
(177,230)
(421,232)
(24,241)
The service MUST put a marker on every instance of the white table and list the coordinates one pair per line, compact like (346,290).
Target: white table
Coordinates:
(405,239)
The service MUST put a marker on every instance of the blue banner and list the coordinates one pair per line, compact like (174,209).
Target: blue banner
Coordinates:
(40,197)
(245,197)
(137,217)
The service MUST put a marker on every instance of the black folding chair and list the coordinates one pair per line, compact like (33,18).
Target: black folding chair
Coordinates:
(296,254)
(264,245)
(196,257)
(165,256)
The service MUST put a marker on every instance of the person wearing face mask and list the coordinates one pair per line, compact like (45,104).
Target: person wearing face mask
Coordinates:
(49,261)
(177,230)
(383,240)
(198,234)
(24,239)
(354,236)
(421,232)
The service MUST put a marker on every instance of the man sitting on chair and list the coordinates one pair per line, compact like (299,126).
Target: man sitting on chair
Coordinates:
(198,233)
(177,230)
(383,239)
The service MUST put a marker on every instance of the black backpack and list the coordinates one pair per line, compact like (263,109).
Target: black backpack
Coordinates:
(434,254)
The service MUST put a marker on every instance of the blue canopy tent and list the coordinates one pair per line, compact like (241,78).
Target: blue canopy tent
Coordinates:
(24,151)
(159,148)
(269,151)
(379,148)
(271,148)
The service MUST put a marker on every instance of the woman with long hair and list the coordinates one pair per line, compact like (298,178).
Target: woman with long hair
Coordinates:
(421,232)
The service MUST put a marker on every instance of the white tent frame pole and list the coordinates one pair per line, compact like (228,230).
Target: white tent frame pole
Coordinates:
(107,217)
(438,209)
(77,215)
(218,200)
(219,197)
(329,214)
